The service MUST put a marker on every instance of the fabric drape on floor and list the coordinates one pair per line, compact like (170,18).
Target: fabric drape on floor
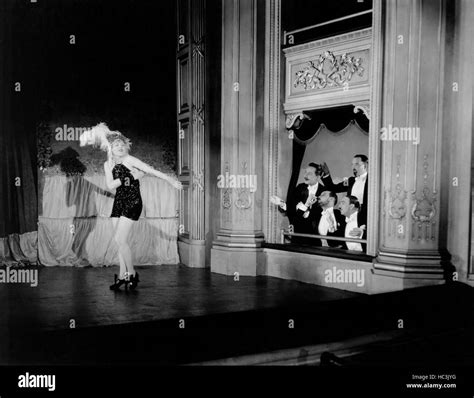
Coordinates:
(75,228)
(19,249)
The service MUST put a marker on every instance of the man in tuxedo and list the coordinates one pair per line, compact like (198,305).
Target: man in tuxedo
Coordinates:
(301,207)
(356,186)
(330,221)
(354,228)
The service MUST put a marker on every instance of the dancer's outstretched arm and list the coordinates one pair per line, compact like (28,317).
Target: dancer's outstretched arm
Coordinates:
(133,161)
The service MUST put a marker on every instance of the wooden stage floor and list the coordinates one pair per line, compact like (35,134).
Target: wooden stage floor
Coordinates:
(181,315)
(169,291)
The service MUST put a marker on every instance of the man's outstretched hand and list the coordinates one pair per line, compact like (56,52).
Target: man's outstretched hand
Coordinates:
(277,201)
(325,169)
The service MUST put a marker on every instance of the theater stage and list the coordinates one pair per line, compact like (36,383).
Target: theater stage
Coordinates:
(181,315)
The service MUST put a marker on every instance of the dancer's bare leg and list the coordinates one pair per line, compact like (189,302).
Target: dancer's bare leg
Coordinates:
(121,238)
(123,268)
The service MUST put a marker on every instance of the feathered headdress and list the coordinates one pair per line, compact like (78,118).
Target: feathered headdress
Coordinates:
(101,136)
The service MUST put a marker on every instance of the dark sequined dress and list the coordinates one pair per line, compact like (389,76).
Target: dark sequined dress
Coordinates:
(128,201)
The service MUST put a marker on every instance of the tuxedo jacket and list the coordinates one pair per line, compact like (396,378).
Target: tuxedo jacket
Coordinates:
(360,222)
(337,188)
(301,224)
(339,232)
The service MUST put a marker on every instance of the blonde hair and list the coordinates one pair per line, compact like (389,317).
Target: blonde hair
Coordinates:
(126,142)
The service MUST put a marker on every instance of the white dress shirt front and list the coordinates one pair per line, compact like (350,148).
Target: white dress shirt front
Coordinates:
(312,189)
(327,223)
(351,223)
(358,187)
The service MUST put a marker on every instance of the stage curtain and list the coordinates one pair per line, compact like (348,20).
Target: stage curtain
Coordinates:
(18,182)
(335,119)
(75,228)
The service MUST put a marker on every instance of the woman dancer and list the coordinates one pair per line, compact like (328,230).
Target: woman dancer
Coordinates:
(122,172)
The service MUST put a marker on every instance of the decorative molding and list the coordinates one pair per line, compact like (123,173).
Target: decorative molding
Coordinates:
(198,95)
(316,75)
(198,47)
(244,197)
(292,118)
(272,114)
(198,180)
(330,41)
(424,209)
(375,98)
(198,114)
(364,108)
(244,200)
(226,195)
(397,207)
(226,199)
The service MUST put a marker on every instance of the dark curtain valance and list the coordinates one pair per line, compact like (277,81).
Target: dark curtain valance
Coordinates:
(335,119)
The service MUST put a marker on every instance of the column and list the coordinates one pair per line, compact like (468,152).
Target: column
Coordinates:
(411,137)
(237,247)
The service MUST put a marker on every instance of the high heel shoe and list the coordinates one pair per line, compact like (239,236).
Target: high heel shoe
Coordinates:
(134,281)
(118,283)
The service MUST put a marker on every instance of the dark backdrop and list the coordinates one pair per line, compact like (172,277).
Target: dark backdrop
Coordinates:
(117,41)
(297,14)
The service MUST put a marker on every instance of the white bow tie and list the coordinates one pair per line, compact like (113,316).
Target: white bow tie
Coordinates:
(352,217)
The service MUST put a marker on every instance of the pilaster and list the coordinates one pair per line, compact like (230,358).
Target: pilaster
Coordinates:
(237,247)
(411,137)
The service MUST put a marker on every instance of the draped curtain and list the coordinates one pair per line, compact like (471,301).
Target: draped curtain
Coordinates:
(335,119)
(18,180)
(75,228)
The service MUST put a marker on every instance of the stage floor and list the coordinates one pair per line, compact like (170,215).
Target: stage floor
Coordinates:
(180,315)
(82,295)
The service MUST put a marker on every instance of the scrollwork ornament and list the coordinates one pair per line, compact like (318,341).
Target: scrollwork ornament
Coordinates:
(364,108)
(244,199)
(226,199)
(198,180)
(424,209)
(328,70)
(397,206)
(295,120)
(198,114)
(198,47)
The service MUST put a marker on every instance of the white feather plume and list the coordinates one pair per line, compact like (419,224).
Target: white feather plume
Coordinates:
(97,137)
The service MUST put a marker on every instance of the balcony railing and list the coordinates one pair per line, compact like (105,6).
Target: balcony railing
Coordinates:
(284,233)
